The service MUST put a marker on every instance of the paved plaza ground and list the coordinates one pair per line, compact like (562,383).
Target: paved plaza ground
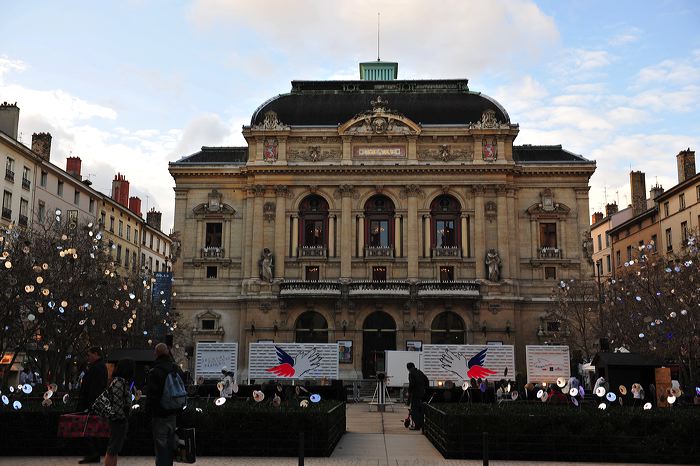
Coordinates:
(372,439)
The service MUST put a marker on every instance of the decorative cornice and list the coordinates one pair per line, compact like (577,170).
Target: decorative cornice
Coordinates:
(346,190)
(270,123)
(444,153)
(313,154)
(489,121)
(412,190)
(282,191)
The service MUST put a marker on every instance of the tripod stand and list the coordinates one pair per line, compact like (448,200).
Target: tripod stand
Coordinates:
(381,395)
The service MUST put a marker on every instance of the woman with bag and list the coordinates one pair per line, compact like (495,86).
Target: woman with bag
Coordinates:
(115,405)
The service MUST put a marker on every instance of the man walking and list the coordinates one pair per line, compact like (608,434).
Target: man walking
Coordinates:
(92,385)
(417,386)
(163,420)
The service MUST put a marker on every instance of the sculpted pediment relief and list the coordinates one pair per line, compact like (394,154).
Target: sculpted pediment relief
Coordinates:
(557,210)
(379,121)
(223,210)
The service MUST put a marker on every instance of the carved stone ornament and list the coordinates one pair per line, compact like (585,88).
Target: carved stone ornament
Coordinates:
(269,211)
(258,190)
(493,264)
(412,190)
(313,154)
(587,246)
(379,121)
(346,190)
(547,198)
(444,153)
(266,265)
(282,191)
(214,204)
(270,123)
(490,211)
(489,121)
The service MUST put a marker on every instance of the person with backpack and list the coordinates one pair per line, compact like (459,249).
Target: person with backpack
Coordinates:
(114,404)
(166,396)
(417,387)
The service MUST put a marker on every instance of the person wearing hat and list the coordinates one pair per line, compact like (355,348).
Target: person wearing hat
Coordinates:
(226,384)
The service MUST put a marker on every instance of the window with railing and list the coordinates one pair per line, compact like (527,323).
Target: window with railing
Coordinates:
(313,217)
(445,214)
(23,212)
(681,201)
(379,214)
(669,240)
(7,205)
(10,169)
(26,174)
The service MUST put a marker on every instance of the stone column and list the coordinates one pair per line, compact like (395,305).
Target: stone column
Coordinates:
(411,192)
(426,236)
(200,238)
(281,193)
(248,244)
(479,239)
(534,239)
(295,235)
(465,236)
(562,244)
(257,240)
(347,151)
(412,152)
(346,192)
(361,235)
(331,236)
(397,235)
(513,234)
(503,243)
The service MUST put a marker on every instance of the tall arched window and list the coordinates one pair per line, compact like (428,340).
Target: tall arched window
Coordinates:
(313,216)
(311,327)
(447,329)
(379,216)
(444,212)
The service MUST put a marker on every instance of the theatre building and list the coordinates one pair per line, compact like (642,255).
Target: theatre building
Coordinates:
(386,213)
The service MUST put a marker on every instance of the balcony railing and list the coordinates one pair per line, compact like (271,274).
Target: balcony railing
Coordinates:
(211,252)
(23,220)
(7,213)
(427,289)
(549,253)
(312,251)
(9,175)
(379,251)
(447,251)
(26,183)
(311,288)
(379,288)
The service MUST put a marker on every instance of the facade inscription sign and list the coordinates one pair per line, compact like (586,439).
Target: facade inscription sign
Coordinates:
(374,152)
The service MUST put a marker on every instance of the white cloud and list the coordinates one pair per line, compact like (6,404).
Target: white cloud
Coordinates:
(684,99)
(522,95)
(581,64)
(669,72)
(629,36)
(473,37)
(7,65)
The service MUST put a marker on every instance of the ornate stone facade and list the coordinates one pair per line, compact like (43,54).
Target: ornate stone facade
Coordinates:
(383,227)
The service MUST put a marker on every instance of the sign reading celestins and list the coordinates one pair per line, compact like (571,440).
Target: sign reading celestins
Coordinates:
(394,152)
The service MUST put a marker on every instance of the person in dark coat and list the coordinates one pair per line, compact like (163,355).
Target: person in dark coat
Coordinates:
(417,388)
(92,385)
(163,421)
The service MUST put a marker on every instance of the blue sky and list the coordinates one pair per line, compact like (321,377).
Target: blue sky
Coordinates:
(131,85)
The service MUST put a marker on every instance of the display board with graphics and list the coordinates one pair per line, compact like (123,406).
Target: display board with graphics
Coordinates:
(547,363)
(293,360)
(212,357)
(463,362)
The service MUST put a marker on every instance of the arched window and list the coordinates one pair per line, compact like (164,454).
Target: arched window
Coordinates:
(311,327)
(447,329)
(445,211)
(313,216)
(379,216)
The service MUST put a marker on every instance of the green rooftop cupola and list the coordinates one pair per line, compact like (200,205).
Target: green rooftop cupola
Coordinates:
(379,70)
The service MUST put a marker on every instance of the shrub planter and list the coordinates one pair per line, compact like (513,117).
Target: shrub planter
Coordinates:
(525,431)
(238,428)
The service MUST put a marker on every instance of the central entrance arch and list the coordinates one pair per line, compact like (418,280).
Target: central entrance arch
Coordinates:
(378,335)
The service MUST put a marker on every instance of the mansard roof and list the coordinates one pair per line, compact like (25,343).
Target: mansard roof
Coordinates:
(542,154)
(427,102)
(210,155)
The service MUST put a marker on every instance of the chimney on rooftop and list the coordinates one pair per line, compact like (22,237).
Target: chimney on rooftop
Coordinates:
(596,217)
(120,190)
(610,209)
(41,145)
(153,218)
(656,191)
(9,119)
(135,205)
(638,186)
(686,164)
(73,165)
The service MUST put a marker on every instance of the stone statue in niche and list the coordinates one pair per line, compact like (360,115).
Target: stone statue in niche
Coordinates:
(493,262)
(266,265)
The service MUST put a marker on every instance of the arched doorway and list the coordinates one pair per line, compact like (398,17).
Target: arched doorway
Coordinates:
(447,329)
(378,335)
(311,327)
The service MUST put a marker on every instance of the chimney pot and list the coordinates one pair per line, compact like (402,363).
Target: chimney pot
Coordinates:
(9,119)
(41,145)
(73,167)
(638,186)
(685,160)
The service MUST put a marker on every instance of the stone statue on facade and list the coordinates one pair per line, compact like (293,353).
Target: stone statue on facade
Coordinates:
(493,262)
(266,265)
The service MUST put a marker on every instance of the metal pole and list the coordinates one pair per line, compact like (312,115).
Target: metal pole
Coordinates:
(486,448)
(301,448)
